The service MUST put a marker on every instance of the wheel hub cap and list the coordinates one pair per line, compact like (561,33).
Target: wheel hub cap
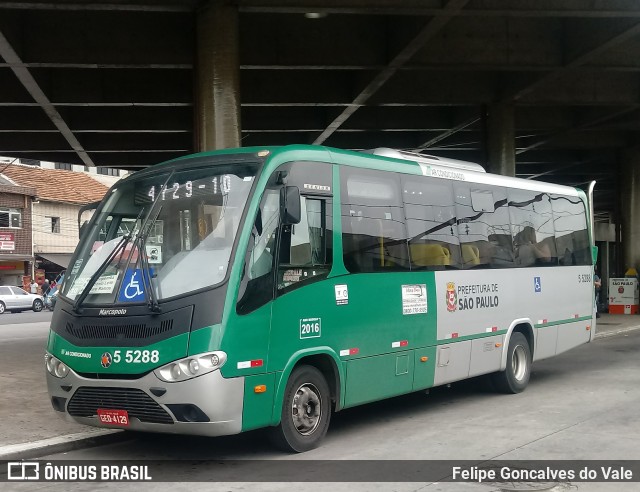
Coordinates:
(306,409)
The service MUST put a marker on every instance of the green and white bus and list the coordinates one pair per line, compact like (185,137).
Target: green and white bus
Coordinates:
(247,288)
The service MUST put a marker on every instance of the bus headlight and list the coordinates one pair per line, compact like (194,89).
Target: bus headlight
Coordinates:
(55,366)
(191,367)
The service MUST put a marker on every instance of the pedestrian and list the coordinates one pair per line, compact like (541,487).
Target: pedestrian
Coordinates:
(34,286)
(45,286)
(597,284)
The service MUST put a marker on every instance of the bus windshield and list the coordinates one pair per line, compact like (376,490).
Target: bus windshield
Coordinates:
(161,235)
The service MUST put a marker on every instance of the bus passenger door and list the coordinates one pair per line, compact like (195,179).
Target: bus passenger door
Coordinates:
(302,316)
(303,312)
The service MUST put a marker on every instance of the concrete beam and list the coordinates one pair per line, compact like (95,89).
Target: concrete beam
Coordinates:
(585,56)
(24,75)
(117,39)
(184,6)
(128,118)
(107,86)
(432,27)
(517,8)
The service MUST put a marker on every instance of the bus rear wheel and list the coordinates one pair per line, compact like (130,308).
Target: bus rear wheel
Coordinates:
(306,411)
(515,377)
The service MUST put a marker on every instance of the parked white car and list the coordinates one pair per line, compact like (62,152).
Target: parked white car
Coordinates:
(15,299)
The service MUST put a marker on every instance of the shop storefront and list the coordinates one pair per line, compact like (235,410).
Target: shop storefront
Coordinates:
(13,268)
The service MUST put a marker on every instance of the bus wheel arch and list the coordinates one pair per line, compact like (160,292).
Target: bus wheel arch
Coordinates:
(328,366)
(305,412)
(517,359)
(326,363)
(525,327)
(329,369)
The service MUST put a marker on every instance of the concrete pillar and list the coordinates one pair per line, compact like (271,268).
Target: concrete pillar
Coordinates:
(605,272)
(501,150)
(630,207)
(217,98)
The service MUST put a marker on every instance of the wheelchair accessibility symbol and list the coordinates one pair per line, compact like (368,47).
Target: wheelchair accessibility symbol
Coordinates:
(536,284)
(132,288)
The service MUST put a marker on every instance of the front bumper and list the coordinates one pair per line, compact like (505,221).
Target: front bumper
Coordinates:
(219,399)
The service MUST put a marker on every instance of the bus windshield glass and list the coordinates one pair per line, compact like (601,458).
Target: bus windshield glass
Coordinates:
(161,235)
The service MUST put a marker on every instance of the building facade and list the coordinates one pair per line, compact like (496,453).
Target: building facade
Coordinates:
(53,220)
(16,240)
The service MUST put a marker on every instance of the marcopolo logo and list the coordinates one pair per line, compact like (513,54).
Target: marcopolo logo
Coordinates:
(112,312)
(106,359)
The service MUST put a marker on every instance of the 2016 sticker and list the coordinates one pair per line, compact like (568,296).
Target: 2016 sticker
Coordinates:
(310,327)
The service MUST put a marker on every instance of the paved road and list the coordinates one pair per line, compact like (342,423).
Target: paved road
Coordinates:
(581,405)
(25,411)
(24,317)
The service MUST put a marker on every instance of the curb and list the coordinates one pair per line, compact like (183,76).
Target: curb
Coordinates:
(607,334)
(61,444)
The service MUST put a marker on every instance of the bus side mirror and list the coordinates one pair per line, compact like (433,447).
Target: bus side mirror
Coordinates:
(289,205)
(594,254)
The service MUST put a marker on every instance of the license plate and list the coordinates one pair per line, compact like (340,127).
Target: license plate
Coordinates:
(113,417)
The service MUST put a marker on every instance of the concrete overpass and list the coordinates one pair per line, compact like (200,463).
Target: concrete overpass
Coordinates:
(543,89)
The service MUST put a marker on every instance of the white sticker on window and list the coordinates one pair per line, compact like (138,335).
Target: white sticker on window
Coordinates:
(154,253)
(104,285)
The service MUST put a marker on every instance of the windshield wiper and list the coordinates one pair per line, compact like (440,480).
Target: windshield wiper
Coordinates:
(122,244)
(140,242)
(119,248)
(147,277)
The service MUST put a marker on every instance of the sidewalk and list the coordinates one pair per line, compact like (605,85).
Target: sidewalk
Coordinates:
(29,423)
(614,324)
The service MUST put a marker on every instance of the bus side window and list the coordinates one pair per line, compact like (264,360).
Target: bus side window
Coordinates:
(572,235)
(431,218)
(374,236)
(256,287)
(306,248)
(532,228)
(484,226)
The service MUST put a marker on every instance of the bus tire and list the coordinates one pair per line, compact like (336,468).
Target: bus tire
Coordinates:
(306,411)
(515,377)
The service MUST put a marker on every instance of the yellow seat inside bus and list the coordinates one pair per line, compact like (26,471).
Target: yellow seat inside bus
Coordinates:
(425,255)
(470,254)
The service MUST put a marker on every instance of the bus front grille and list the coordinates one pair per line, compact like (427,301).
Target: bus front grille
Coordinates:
(110,332)
(86,330)
(86,401)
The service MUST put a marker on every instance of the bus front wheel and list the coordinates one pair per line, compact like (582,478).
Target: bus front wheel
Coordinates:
(306,411)
(515,377)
